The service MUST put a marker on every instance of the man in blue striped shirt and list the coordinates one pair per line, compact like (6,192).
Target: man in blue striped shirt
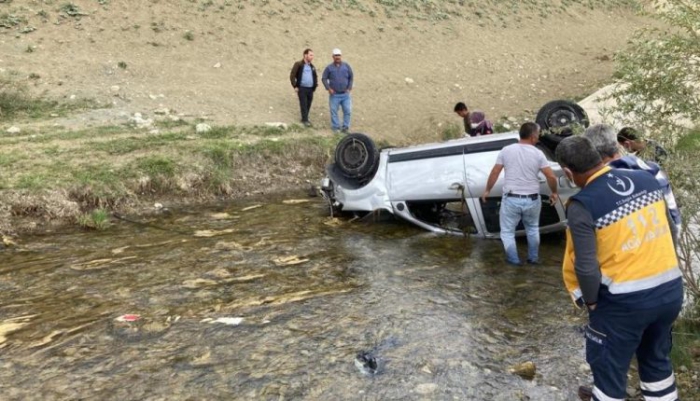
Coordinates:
(337,78)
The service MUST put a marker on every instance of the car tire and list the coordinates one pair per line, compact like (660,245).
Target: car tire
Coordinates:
(560,114)
(356,156)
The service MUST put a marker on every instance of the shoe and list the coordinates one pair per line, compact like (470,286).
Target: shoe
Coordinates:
(585,393)
(514,263)
(533,262)
(344,130)
(307,124)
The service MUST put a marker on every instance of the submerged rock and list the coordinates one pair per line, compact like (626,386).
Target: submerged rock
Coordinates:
(526,370)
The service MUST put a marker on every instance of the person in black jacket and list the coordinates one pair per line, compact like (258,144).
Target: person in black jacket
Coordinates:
(304,81)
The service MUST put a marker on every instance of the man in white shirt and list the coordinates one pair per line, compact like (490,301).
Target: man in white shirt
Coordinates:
(522,162)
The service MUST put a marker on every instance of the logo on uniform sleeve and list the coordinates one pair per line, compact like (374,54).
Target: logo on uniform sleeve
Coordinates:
(622,186)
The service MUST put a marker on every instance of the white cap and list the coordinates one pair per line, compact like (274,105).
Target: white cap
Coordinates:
(336,52)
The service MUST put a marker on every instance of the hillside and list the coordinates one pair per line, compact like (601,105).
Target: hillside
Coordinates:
(229,61)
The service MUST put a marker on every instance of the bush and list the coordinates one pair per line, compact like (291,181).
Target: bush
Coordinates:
(659,93)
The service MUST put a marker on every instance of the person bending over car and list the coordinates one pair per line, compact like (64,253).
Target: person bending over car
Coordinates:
(522,162)
(475,123)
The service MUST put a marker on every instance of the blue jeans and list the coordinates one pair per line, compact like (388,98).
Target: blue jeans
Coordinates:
(512,211)
(340,100)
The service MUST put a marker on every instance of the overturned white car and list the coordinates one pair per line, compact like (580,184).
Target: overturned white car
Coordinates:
(438,186)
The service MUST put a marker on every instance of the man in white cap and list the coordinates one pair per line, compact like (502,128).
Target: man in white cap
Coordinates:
(337,78)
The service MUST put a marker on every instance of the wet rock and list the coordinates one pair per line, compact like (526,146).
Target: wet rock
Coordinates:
(526,370)
(426,388)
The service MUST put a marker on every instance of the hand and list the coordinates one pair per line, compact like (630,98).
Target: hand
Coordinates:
(591,307)
(485,195)
(331,91)
(296,89)
(553,198)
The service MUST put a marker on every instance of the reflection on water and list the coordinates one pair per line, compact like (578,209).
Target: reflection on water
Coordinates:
(444,316)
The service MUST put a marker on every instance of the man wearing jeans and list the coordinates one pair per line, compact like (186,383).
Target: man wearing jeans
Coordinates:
(337,78)
(522,162)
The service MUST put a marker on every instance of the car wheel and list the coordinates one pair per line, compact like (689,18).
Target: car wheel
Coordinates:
(356,156)
(560,114)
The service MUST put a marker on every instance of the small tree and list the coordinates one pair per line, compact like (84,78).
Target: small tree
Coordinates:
(659,93)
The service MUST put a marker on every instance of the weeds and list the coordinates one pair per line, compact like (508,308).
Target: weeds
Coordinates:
(451,131)
(15,101)
(95,220)
(70,9)
(188,35)
(10,21)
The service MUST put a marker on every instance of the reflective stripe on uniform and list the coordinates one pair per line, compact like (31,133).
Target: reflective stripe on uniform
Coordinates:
(643,284)
(668,397)
(659,385)
(601,396)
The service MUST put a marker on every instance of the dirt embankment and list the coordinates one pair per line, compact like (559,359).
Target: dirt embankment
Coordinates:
(228,61)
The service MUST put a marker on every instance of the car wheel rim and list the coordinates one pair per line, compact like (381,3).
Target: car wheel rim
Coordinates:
(355,155)
(562,118)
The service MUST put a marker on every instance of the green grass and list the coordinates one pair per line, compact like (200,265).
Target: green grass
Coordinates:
(168,124)
(156,165)
(95,220)
(689,142)
(16,102)
(686,339)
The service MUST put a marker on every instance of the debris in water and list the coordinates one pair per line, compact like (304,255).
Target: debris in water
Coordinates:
(198,283)
(128,318)
(231,321)
(333,222)
(295,201)
(117,251)
(8,327)
(526,370)
(98,263)
(221,216)
(366,363)
(212,233)
(289,260)
(8,242)
(245,209)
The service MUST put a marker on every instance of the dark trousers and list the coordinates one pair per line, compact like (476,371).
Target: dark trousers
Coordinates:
(306,96)
(613,337)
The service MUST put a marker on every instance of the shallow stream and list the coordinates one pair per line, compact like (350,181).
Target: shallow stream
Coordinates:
(443,317)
